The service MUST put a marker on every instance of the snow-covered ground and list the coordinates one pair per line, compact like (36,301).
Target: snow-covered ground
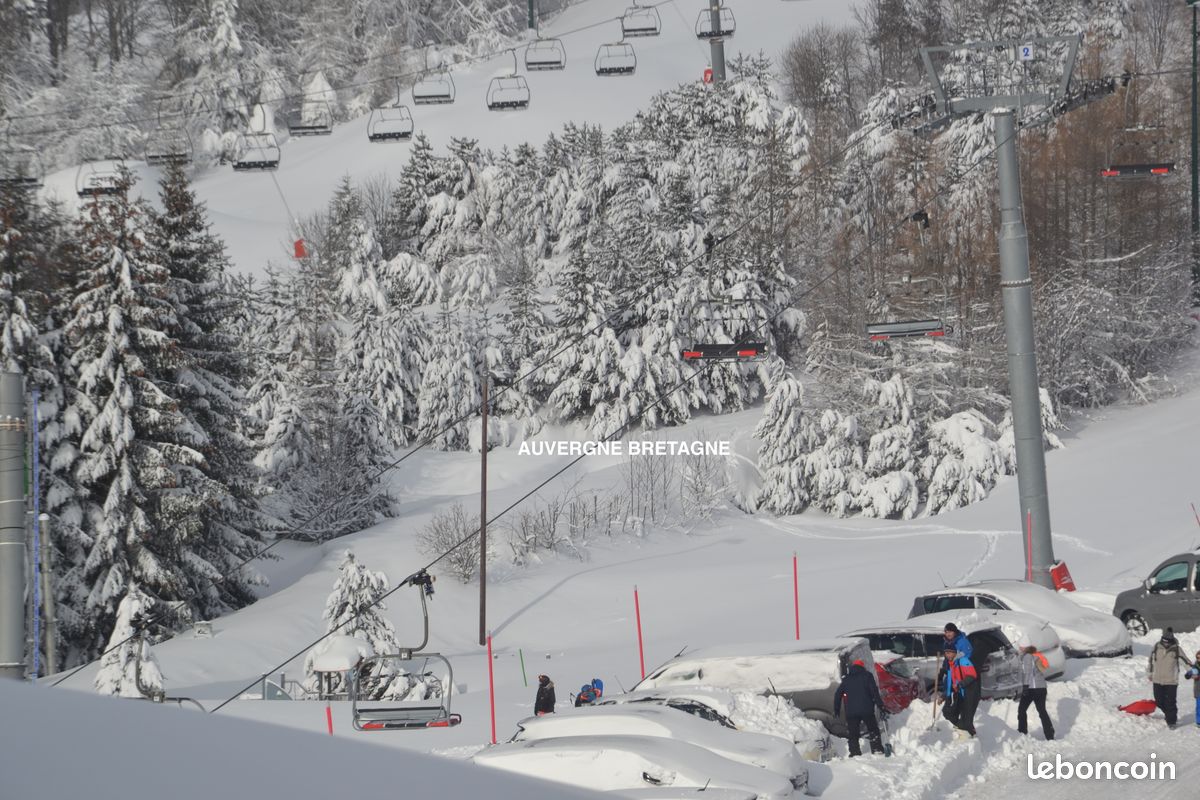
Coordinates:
(1119,494)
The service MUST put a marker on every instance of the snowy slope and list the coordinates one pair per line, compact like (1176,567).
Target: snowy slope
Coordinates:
(1120,494)
(247,211)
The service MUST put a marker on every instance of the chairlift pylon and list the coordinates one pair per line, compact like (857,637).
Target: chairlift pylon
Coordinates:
(20,166)
(617,58)
(390,123)
(393,715)
(545,54)
(639,20)
(435,87)
(508,92)
(724,27)
(1140,152)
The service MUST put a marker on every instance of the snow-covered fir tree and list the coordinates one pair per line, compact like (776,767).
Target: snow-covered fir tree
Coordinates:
(450,391)
(213,507)
(129,456)
(129,668)
(354,608)
(963,464)
(786,435)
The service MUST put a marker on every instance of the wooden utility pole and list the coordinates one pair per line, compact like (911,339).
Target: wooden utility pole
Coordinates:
(483,450)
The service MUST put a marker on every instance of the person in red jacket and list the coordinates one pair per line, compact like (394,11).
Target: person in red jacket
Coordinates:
(963,690)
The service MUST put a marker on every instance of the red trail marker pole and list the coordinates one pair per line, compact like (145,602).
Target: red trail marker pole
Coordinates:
(637,612)
(329,718)
(1029,546)
(491,686)
(796,592)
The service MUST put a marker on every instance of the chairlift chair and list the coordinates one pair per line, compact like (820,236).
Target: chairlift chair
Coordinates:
(385,715)
(310,118)
(390,124)
(545,54)
(1140,152)
(882,331)
(740,349)
(435,87)
(615,59)
(724,29)
(20,168)
(256,151)
(100,178)
(508,92)
(168,143)
(640,21)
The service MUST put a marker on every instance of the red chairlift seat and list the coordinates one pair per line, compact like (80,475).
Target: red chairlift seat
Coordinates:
(1138,170)
(730,351)
(882,331)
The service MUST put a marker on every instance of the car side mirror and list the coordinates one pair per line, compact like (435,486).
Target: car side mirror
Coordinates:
(1146,585)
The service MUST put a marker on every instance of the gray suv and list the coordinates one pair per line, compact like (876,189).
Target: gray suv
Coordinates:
(1169,598)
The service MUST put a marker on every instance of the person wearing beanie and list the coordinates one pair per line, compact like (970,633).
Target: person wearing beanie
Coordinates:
(1193,675)
(958,640)
(860,694)
(544,703)
(1033,690)
(1165,659)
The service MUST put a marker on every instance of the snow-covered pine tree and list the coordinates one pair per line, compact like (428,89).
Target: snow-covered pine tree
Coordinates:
(890,488)
(129,455)
(834,470)
(129,668)
(582,378)
(408,211)
(787,436)
(353,608)
(963,462)
(214,507)
(449,387)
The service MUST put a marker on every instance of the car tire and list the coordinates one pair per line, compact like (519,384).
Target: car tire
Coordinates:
(1135,623)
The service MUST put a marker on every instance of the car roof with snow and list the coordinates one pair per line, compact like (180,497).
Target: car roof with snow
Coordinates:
(684,792)
(930,623)
(693,761)
(785,648)
(719,700)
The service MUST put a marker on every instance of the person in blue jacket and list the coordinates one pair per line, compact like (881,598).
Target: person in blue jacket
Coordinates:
(958,640)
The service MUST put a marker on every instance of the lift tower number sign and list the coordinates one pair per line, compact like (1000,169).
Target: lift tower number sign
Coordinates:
(1025,52)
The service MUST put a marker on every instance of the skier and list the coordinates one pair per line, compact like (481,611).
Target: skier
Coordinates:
(1194,674)
(962,689)
(861,695)
(1033,690)
(544,704)
(1165,659)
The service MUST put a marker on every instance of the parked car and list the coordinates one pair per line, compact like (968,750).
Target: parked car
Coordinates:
(806,673)
(898,682)
(1018,627)
(1169,598)
(761,750)
(621,763)
(1085,633)
(920,642)
(684,793)
(743,711)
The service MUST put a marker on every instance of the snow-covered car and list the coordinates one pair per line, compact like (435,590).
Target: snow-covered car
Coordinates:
(1085,633)
(806,673)
(1019,627)
(920,641)
(622,763)
(1169,598)
(743,711)
(761,750)
(897,680)
(684,793)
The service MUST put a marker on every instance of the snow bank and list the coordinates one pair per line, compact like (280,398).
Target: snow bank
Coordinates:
(121,749)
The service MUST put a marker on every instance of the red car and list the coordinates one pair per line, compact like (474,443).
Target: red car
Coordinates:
(898,684)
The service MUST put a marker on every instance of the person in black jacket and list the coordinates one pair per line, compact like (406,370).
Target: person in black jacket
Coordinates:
(544,704)
(861,695)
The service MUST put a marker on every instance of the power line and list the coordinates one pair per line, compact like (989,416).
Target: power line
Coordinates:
(760,328)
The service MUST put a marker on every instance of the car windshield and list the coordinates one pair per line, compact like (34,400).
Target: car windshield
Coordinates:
(900,667)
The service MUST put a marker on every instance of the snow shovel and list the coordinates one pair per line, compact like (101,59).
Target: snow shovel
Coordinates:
(887,734)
